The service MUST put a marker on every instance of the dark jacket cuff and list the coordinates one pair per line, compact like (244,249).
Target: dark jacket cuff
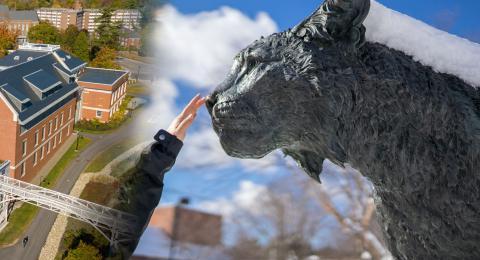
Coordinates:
(168,143)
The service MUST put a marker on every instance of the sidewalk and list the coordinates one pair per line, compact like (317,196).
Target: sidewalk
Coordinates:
(54,160)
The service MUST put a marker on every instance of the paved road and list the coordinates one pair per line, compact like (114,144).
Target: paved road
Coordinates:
(41,225)
(144,71)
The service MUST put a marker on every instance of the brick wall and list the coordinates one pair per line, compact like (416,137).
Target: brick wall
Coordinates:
(192,226)
(8,130)
(102,101)
(42,143)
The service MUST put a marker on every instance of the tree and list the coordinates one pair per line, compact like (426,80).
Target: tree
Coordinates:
(107,32)
(105,58)
(84,251)
(7,39)
(69,37)
(44,32)
(80,46)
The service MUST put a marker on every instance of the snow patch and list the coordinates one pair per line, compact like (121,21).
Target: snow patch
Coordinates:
(442,51)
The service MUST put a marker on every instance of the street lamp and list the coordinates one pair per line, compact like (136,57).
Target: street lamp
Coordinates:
(176,216)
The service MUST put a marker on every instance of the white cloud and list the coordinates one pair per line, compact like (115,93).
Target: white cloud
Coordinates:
(244,199)
(200,48)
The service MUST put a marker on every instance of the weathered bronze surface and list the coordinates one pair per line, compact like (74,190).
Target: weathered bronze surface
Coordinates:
(321,91)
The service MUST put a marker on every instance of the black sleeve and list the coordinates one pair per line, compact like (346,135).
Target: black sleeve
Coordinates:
(154,162)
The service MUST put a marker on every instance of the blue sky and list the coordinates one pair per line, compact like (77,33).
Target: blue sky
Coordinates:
(459,17)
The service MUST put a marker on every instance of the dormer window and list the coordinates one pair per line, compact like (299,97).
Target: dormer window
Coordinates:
(42,83)
(69,57)
(29,58)
(16,58)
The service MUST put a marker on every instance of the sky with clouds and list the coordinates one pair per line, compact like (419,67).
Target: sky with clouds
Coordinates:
(196,41)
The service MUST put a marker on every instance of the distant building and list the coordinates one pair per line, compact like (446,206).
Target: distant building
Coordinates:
(86,18)
(61,17)
(103,91)
(39,103)
(130,38)
(130,18)
(20,21)
(197,235)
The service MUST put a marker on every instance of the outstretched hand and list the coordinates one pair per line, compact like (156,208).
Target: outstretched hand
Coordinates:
(182,122)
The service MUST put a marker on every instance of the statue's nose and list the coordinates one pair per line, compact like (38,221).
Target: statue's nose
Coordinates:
(210,102)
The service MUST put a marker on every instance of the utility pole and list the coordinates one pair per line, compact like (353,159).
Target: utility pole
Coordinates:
(176,216)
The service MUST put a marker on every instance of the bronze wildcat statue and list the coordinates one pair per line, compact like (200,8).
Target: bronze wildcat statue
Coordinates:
(321,91)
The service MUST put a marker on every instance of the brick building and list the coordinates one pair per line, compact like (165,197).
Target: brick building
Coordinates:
(61,17)
(196,235)
(39,103)
(38,100)
(130,39)
(103,91)
(20,21)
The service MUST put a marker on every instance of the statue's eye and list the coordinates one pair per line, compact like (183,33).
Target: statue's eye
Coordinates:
(251,62)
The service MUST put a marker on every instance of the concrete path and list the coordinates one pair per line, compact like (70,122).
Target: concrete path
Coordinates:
(41,225)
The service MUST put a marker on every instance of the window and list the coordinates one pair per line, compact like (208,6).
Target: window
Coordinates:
(54,142)
(50,124)
(61,119)
(43,133)
(24,147)
(99,113)
(41,152)
(68,131)
(56,122)
(70,113)
(35,158)
(60,137)
(36,138)
(23,170)
(48,147)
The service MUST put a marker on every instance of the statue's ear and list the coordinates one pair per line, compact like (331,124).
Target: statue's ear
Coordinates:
(336,20)
(309,161)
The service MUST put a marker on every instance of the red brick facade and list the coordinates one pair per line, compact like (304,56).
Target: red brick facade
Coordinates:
(31,149)
(101,101)
(191,226)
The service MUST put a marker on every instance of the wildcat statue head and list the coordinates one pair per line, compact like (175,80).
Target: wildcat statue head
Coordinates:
(283,90)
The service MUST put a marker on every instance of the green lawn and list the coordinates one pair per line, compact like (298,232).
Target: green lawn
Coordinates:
(21,218)
(52,177)
(18,222)
(101,160)
(138,90)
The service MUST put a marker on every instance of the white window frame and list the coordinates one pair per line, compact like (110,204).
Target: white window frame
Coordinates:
(97,115)
(36,138)
(35,158)
(24,147)
(23,169)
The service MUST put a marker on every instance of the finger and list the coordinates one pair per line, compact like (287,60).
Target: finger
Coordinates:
(190,106)
(200,103)
(185,124)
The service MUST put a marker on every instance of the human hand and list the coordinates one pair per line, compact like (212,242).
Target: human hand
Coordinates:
(182,122)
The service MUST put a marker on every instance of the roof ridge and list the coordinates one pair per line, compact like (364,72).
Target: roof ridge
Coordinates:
(16,65)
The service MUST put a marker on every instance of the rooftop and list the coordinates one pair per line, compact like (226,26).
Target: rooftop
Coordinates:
(24,15)
(35,87)
(101,76)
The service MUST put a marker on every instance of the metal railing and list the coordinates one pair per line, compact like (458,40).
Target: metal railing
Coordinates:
(114,224)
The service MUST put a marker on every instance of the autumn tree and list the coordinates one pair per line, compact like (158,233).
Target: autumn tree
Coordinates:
(69,37)
(44,32)
(84,251)
(105,58)
(7,39)
(80,46)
